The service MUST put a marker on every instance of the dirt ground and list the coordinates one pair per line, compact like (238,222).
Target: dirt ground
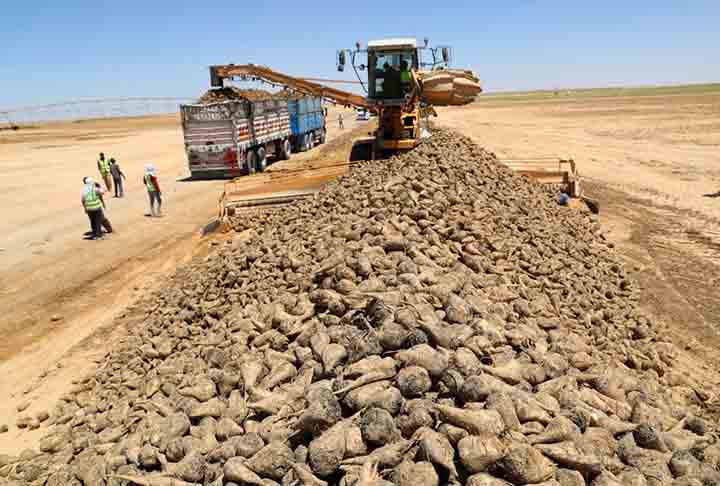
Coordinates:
(58,291)
(649,161)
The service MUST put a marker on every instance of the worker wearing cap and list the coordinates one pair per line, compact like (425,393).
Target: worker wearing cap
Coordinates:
(104,169)
(106,225)
(153,188)
(93,205)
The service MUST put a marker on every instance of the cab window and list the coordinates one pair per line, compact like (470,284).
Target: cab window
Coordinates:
(387,67)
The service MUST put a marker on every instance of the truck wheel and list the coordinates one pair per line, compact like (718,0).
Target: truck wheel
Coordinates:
(285,149)
(310,140)
(251,161)
(261,159)
(322,136)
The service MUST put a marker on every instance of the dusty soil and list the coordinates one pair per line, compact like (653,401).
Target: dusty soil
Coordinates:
(676,268)
(660,148)
(57,289)
(649,161)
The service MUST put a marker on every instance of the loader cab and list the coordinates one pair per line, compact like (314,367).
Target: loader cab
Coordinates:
(389,65)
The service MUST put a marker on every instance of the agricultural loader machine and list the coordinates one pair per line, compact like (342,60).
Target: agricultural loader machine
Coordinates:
(404,82)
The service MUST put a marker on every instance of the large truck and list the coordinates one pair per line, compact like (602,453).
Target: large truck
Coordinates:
(237,137)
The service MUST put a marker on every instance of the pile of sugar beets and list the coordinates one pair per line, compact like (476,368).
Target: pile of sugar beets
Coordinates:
(430,319)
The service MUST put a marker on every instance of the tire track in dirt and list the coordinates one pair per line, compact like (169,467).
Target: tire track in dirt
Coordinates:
(676,262)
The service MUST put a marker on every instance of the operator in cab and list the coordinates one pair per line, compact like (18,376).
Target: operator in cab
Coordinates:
(404,76)
(392,87)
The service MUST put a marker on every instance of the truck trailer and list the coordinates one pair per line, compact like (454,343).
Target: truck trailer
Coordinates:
(307,123)
(236,137)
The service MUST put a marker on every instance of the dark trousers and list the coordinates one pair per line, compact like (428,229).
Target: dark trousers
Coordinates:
(155,200)
(118,187)
(96,220)
(106,224)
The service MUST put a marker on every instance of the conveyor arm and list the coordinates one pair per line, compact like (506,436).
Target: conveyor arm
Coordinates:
(220,73)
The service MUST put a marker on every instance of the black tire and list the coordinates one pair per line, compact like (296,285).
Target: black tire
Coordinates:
(308,141)
(251,161)
(323,135)
(361,151)
(261,159)
(285,149)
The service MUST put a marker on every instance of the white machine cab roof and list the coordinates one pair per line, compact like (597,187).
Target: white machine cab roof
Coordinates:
(390,43)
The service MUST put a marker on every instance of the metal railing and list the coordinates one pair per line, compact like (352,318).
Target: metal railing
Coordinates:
(89,108)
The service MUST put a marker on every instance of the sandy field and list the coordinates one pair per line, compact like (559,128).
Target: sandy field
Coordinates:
(648,160)
(660,148)
(56,288)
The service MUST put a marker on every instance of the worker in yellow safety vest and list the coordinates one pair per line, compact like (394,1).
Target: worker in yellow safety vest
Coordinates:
(106,225)
(93,204)
(404,76)
(104,168)
(153,188)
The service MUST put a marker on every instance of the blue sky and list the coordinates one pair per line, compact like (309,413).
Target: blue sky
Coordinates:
(76,48)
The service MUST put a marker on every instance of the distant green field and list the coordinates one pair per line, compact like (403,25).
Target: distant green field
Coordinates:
(690,89)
